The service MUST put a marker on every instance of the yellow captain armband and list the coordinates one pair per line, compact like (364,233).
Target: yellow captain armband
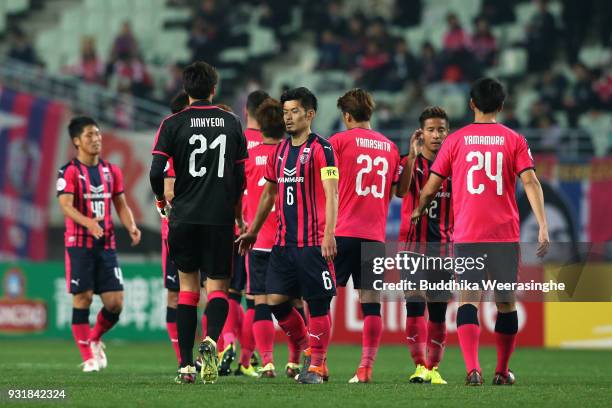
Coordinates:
(329,173)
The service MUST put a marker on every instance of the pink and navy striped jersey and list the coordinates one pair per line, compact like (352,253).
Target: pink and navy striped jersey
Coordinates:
(93,188)
(435,227)
(300,203)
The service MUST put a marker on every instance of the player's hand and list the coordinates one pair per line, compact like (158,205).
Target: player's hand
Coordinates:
(544,242)
(328,248)
(416,215)
(135,235)
(94,227)
(243,228)
(246,241)
(163,208)
(415,144)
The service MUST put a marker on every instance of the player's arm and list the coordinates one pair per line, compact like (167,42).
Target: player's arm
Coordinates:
(239,170)
(533,189)
(66,202)
(266,202)
(156,178)
(127,217)
(328,247)
(169,189)
(406,177)
(428,193)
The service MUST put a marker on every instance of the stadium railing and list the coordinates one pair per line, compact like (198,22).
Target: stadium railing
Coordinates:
(120,110)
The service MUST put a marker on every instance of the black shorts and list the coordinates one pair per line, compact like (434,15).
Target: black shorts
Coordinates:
(500,259)
(300,272)
(430,274)
(239,277)
(171,279)
(205,248)
(357,261)
(257,266)
(94,269)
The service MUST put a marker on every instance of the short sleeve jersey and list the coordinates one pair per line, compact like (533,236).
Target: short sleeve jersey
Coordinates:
(484,160)
(299,172)
(255,169)
(93,188)
(205,143)
(369,165)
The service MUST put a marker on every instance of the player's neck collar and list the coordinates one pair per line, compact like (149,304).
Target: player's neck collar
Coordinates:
(201,102)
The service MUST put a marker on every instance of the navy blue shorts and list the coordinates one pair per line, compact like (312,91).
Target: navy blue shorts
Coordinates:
(257,266)
(300,272)
(352,261)
(94,269)
(239,277)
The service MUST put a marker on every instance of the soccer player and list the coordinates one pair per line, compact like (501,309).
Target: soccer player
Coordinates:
(484,159)
(369,164)
(170,273)
(426,338)
(87,186)
(302,178)
(240,324)
(269,117)
(208,151)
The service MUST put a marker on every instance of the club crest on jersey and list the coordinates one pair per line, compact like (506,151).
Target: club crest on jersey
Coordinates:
(107,176)
(305,155)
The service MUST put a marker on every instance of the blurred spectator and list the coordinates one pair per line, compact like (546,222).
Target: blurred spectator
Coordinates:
(541,38)
(131,76)
(483,44)
(407,13)
(174,83)
(20,47)
(334,19)
(577,15)
(353,44)
(404,65)
(209,12)
(202,41)
(509,117)
(551,87)
(602,12)
(431,66)
(549,133)
(125,44)
(581,97)
(329,51)
(90,67)
(373,66)
(499,12)
(377,31)
(455,39)
(603,89)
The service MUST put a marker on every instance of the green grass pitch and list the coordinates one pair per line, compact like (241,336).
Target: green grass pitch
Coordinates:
(141,374)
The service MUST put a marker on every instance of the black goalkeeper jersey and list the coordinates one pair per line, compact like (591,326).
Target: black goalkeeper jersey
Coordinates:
(205,143)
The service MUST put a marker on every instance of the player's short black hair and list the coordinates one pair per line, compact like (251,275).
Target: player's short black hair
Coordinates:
(269,115)
(199,80)
(78,123)
(179,102)
(432,112)
(488,95)
(302,94)
(255,99)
